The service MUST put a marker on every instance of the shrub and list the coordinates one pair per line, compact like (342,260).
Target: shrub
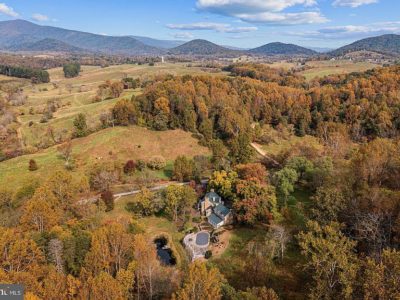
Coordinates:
(196,219)
(157,163)
(208,254)
(81,128)
(71,70)
(32,165)
(140,164)
(108,199)
(129,167)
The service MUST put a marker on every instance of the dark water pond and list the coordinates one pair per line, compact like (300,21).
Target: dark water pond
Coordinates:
(165,254)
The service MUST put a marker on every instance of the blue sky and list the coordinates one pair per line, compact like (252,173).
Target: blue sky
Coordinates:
(242,23)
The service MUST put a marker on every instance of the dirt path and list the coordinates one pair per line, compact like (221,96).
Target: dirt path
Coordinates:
(264,154)
(135,192)
(19,132)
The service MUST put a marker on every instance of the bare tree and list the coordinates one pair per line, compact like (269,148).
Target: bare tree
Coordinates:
(103,179)
(281,236)
(16,98)
(56,253)
(65,151)
(69,87)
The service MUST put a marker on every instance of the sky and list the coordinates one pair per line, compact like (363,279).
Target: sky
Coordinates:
(241,23)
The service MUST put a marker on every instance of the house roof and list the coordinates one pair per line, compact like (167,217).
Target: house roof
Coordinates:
(222,210)
(214,219)
(212,195)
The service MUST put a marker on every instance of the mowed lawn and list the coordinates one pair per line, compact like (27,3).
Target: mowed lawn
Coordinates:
(117,144)
(154,227)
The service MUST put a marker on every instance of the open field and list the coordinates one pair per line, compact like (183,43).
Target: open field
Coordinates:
(279,144)
(154,227)
(76,95)
(324,68)
(113,144)
(284,276)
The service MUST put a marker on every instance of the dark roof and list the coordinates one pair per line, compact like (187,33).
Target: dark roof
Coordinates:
(221,210)
(202,238)
(214,219)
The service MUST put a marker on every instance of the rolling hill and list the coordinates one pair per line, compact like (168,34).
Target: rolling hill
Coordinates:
(202,47)
(281,49)
(15,33)
(387,44)
(163,44)
(47,45)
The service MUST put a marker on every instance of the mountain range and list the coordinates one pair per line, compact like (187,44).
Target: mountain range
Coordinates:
(15,33)
(21,35)
(386,44)
(282,49)
(202,47)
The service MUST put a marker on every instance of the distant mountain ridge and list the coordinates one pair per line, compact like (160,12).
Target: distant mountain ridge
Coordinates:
(202,47)
(387,44)
(21,35)
(21,32)
(163,44)
(47,44)
(278,48)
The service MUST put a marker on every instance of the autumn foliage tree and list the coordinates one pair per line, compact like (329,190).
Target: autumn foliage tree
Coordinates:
(200,283)
(184,169)
(331,259)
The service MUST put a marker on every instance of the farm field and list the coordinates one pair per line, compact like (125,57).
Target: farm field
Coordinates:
(76,95)
(321,68)
(132,143)
(327,67)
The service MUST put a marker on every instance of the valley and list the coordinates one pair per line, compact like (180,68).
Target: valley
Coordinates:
(142,168)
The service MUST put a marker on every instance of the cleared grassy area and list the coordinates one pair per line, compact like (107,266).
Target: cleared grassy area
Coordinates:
(286,278)
(63,119)
(76,95)
(154,227)
(328,67)
(279,145)
(231,263)
(117,144)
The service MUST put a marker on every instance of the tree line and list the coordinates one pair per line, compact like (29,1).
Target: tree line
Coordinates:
(36,75)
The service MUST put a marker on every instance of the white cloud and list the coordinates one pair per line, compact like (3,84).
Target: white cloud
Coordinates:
(250,6)
(284,18)
(270,12)
(183,35)
(9,11)
(353,3)
(219,27)
(40,17)
(351,31)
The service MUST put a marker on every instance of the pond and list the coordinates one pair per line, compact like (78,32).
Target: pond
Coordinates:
(165,254)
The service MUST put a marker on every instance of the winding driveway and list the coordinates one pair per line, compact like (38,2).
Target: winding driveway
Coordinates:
(264,154)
